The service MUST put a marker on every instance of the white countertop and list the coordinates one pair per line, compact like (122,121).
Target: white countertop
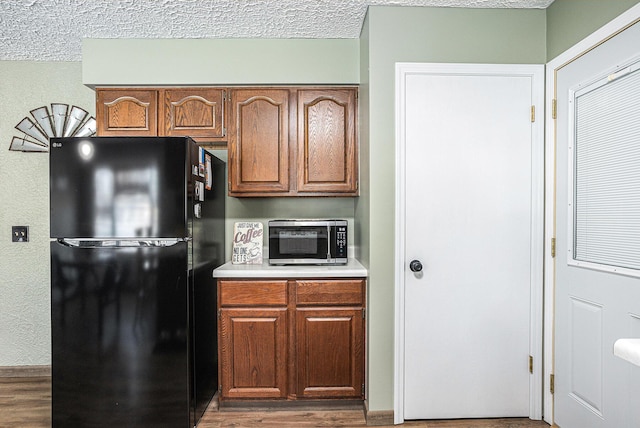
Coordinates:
(353,269)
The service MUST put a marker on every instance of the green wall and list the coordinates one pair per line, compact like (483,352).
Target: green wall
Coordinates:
(24,191)
(569,21)
(219,61)
(417,34)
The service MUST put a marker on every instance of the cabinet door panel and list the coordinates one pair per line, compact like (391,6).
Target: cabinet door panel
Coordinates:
(125,112)
(259,141)
(253,355)
(330,352)
(194,112)
(327,141)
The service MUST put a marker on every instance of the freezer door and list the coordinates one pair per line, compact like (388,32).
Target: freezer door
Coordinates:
(119,321)
(108,187)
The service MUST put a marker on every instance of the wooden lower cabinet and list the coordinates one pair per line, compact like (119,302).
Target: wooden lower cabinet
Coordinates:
(291,339)
(253,353)
(329,344)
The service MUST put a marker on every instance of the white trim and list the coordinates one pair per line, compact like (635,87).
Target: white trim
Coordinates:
(537,243)
(549,262)
(536,72)
(398,378)
(614,26)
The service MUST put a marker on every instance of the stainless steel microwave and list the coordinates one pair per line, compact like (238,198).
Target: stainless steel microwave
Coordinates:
(307,242)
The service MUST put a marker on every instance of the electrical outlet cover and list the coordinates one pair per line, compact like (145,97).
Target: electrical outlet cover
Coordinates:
(20,233)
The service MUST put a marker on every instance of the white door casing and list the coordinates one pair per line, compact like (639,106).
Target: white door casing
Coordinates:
(482,194)
(593,307)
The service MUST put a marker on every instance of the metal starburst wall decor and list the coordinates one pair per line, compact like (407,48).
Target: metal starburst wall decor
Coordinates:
(61,121)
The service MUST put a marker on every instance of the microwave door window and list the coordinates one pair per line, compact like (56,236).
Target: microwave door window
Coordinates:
(299,243)
(307,243)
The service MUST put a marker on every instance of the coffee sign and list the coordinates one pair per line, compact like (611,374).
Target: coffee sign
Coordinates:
(247,243)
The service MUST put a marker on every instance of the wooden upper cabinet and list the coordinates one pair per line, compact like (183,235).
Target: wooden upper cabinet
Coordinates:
(327,160)
(196,112)
(173,112)
(259,142)
(293,141)
(126,112)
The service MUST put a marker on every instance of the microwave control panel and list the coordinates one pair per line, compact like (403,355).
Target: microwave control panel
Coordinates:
(341,242)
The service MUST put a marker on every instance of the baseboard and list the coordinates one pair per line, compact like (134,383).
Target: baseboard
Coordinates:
(377,417)
(25,371)
(300,405)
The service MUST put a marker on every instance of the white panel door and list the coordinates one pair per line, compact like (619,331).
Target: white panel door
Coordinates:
(593,308)
(469,220)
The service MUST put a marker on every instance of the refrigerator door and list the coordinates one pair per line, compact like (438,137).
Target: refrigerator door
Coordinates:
(108,187)
(119,324)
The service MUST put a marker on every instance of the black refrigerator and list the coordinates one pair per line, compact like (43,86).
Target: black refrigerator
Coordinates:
(137,227)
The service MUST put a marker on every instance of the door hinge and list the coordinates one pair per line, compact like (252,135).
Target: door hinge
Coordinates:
(530,364)
(533,114)
(552,383)
(219,313)
(554,112)
(553,247)
(363,388)
(364,313)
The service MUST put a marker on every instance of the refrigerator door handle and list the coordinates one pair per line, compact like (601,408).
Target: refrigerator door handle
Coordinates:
(111,243)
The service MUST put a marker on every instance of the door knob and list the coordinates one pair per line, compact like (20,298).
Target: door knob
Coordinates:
(415,266)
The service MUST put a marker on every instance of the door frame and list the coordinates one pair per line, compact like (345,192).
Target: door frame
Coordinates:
(537,217)
(615,26)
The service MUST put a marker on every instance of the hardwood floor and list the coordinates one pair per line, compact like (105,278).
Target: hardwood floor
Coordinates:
(26,403)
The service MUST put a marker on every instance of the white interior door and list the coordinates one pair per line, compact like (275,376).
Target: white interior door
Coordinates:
(594,305)
(471,196)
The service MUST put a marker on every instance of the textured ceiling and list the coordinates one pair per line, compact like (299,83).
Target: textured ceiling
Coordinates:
(52,30)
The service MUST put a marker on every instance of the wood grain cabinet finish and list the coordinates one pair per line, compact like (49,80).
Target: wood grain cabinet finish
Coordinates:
(195,112)
(253,352)
(293,142)
(330,338)
(327,141)
(253,338)
(329,352)
(259,142)
(291,339)
(127,112)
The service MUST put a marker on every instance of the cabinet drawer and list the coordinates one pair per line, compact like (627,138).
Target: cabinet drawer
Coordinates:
(253,293)
(348,292)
